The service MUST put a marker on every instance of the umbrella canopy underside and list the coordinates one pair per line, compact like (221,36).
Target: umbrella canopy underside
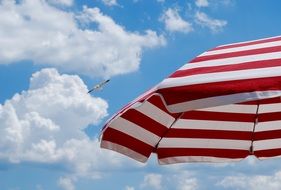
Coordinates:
(222,106)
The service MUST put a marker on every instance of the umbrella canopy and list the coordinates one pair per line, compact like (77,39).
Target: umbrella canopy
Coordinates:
(222,106)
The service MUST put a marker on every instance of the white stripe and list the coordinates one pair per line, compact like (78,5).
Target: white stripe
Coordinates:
(268,108)
(155,113)
(135,131)
(232,60)
(267,144)
(242,48)
(222,100)
(183,159)
(221,77)
(233,108)
(241,43)
(204,143)
(264,158)
(123,150)
(213,125)
(268,126)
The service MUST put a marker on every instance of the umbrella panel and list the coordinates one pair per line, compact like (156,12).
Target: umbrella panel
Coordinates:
(216,134)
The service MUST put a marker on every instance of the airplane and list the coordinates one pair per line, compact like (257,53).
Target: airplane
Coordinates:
(99,86)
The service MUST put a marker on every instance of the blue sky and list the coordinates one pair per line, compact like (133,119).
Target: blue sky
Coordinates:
(53,51)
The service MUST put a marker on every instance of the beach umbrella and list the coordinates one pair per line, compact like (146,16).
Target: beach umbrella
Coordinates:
(222,106)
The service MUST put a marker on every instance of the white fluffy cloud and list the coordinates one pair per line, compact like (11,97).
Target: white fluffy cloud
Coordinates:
(214,3)
(110,2)
(129,188)
(66,183)
(61,2)
(45,125)
(188,184)
(202,3)
(185,180)
(256,182)
(37,31)
(174,22)
(182,180)
(215,25)
(152,181)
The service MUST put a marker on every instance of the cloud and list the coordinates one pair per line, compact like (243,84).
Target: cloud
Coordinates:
(45,124)
(174,22)
(61,2)
(188,184)
(152,181)
(213,3)
(225,3)
(215,25)
(256,182)
(202,3)
(39,187)
(87,42)
(66,183)
(110,2)
(129,188)
(178,180)
(185,181)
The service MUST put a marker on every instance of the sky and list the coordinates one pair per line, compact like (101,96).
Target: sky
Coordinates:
(53,51)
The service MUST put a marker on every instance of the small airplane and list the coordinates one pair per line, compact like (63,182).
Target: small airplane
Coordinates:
(99,86)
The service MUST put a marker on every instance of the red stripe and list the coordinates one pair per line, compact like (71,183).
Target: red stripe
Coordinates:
(268,153)
(209,134)
(187,93)
(225,68)
(273,116)
(157,101)
(218,116)
(124,108)
(221,153)
(248,43)
(237,54)
(120,138)
(144,121)
(263,135)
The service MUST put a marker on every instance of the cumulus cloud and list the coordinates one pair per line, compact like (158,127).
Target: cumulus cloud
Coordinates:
(110,2)
(45,124)
(66,183)
(187,184)
(129,188)
(182,180)
(88,42)
(202,3)
(256,182)
(152,181)
(61,2)
(174,22)
(213,3)
(215,25)
(39,187)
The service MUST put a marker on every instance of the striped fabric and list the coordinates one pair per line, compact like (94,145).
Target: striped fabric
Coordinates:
(222,106)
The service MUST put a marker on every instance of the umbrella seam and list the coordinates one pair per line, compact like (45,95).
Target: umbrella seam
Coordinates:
(251,150)
(156,146)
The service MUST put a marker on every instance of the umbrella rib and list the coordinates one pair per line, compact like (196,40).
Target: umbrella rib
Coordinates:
(253,133)
(156,146)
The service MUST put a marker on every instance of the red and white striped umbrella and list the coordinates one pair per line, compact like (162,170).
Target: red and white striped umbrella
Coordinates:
(222,106)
